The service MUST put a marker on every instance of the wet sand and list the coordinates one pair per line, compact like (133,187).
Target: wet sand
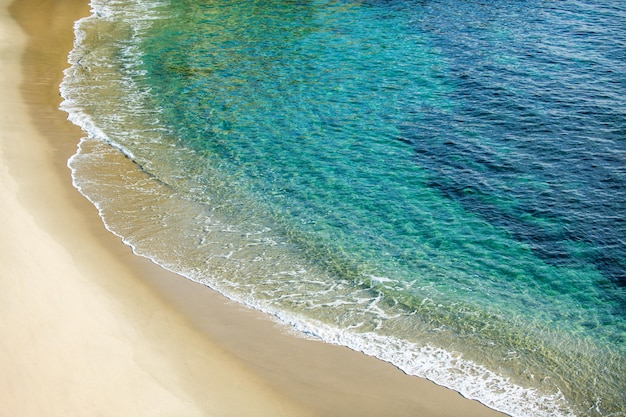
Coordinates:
(87,328)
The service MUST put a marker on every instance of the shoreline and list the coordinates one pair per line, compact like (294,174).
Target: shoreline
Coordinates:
(90,328)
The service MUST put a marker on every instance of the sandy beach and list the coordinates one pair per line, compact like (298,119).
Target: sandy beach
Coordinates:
(87,328)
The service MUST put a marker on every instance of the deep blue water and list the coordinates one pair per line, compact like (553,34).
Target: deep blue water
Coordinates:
(440,184)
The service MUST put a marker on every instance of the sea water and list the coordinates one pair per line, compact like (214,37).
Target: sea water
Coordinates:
(440,184)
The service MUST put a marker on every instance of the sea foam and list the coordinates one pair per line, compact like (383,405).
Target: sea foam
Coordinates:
(151,204)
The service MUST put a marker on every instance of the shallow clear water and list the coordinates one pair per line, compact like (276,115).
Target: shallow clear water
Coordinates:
(438,184)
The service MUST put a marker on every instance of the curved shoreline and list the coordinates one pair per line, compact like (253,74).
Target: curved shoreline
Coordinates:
(89,328)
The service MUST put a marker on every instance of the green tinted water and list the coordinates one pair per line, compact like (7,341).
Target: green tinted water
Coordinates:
(280,140)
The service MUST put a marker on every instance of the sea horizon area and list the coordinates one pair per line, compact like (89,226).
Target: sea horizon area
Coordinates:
(89,328)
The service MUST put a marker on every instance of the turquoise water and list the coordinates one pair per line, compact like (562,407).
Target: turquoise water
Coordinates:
(437,184)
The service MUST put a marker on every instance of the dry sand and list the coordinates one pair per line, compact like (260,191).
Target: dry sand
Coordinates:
(88,329)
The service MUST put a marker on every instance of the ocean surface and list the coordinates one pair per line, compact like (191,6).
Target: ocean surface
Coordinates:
(440,184)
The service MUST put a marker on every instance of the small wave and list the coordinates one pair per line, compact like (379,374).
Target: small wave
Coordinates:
(442,367)
(74,75)
(229,256)
(445,368)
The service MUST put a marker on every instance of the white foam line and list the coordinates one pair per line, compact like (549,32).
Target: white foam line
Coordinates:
(450,370)
(440,366)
